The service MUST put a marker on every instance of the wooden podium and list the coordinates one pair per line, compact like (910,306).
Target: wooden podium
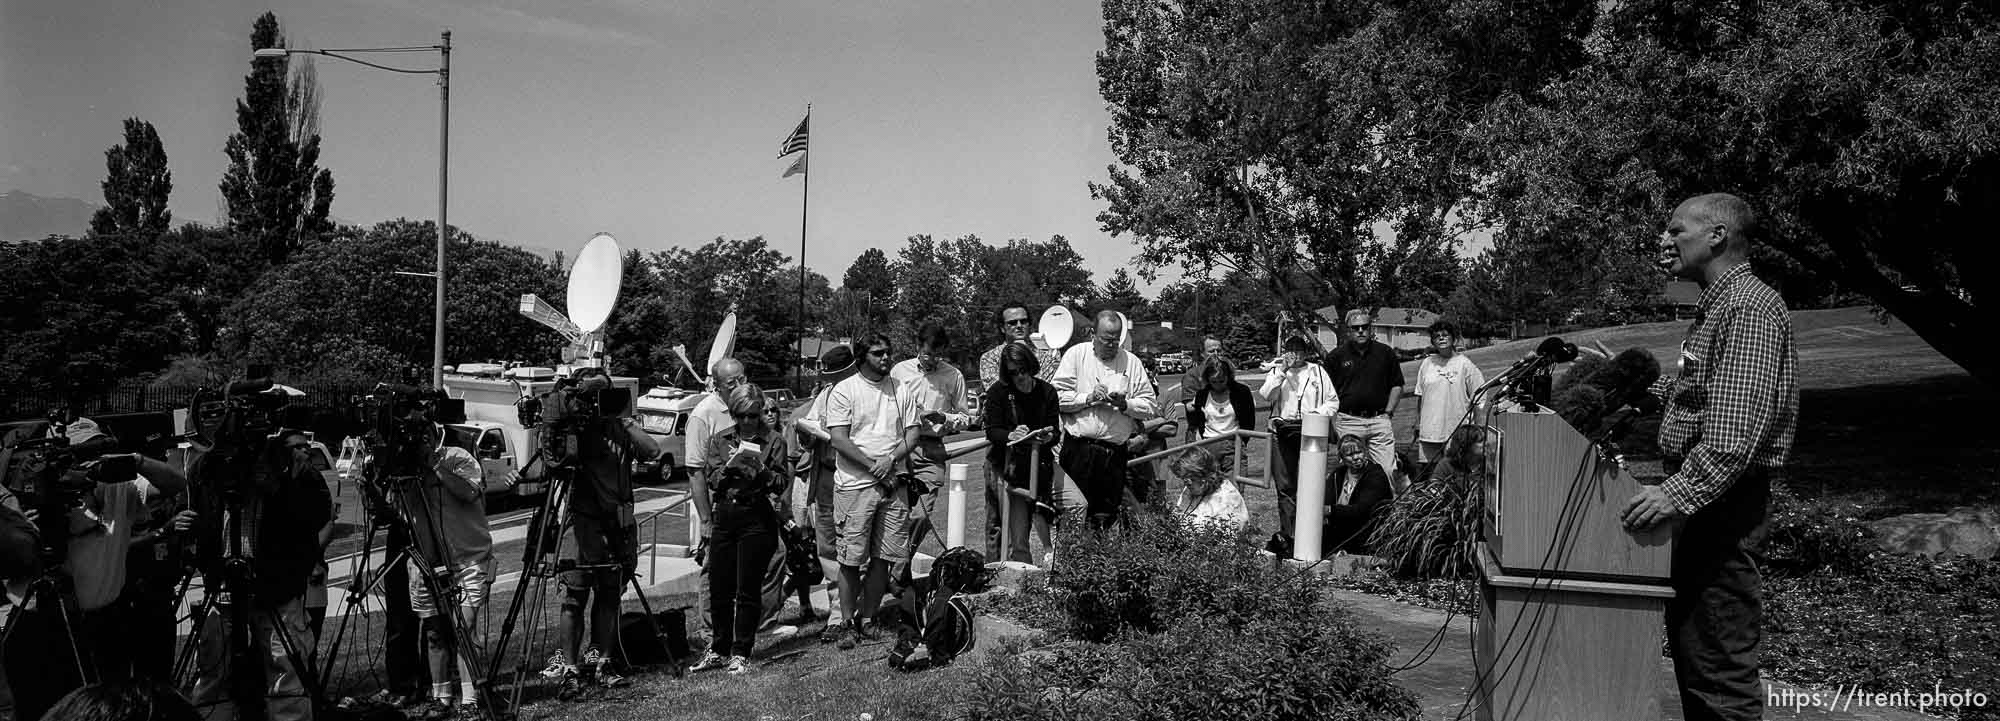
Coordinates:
(1572,605)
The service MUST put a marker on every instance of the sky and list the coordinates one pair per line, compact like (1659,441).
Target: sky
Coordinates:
(658,122)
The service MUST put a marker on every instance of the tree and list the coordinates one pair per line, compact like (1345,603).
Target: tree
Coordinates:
(83,315)
(136,185)
(1273,137)
(205,270)
(337,312)
(274,189)
(1865,133)
(1119,293)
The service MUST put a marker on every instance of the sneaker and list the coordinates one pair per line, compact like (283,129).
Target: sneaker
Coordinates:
(469,712)
(396,699)
(434,709)
(738,665)
(611,679)
(866,630)
(595,659)
(709,660)
(559,667)
(833,633)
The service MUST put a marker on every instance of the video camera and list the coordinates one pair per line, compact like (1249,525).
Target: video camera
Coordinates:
(51,473)
(572,415)
(401,419)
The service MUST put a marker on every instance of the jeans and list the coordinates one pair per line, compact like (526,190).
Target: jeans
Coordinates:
(744,540)
(1714,620)
(1019,519)
(1285,475)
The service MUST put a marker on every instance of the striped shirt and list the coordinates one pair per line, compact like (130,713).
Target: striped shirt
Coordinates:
(1735,402)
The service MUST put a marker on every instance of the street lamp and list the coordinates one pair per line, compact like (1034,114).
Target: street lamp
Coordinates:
(443,73)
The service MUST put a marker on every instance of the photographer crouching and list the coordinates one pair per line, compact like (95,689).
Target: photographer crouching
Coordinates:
(76,622)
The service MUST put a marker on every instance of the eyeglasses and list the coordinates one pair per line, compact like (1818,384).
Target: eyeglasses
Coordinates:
(299,446)
(878,351)
(1015,321)
(1359,327)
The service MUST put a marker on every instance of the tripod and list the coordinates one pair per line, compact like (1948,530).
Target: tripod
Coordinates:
(551,522)
(52,591)
(413,502)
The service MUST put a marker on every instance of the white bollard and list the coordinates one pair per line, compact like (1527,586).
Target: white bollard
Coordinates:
(954,505)
(1311,517)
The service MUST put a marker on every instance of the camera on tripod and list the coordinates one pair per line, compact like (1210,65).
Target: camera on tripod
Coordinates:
(400,420)
(573,415)
(49,473)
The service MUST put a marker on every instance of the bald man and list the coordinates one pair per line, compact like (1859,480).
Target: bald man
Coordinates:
(1104,395)
(1726,432)
(709,417)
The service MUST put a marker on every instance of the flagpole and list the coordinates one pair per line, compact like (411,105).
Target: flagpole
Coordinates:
(805,194)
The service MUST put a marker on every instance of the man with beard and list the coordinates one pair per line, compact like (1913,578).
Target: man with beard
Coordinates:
(874,427)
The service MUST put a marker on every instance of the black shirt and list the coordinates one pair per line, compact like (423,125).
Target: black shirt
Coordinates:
(1363,375)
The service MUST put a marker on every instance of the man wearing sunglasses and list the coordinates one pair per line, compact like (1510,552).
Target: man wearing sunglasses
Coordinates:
(1015,324)
(1727,429)
(1369,381)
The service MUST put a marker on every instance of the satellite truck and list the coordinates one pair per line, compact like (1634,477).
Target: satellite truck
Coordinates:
(492,392)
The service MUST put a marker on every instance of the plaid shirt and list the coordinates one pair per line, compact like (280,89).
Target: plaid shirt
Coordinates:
(989,366)
(1735,403)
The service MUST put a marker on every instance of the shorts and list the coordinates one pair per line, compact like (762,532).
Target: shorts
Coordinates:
(825,535)
(474,583)
(599,544)
(871,523)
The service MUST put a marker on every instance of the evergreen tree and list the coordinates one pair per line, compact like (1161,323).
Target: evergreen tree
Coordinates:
(274,188)
(136,185)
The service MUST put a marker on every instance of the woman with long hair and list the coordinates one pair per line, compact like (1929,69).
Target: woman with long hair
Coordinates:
(1207,494)
(1222,405)
(1020,410)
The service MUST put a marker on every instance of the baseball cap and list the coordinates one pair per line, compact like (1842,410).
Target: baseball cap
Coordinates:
(83,430)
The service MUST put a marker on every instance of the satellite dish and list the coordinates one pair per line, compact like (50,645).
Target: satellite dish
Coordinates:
(594,281)
(725,342)
(1057,326)
(1124,331)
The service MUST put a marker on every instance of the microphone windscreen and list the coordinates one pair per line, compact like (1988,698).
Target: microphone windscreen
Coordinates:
(1582,405)
(1550,346)
(1637,366)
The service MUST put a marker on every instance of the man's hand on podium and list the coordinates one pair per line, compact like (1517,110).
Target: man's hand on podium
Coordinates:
(1650,508)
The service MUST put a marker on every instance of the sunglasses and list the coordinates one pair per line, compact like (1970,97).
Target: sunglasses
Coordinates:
(881,352)
(299,447)
(1359,327)
(1016,321)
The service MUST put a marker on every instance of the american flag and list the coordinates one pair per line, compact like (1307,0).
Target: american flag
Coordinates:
(796,142)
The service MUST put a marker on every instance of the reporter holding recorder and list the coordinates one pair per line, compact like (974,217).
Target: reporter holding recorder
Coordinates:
(1020,412)
(749,488)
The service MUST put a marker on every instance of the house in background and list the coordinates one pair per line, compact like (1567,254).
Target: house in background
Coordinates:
(1404,328)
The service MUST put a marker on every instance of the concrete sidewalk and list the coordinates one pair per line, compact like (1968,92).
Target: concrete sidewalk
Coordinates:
(1443,682)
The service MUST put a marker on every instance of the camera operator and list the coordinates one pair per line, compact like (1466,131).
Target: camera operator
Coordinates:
(448,524)
(20,560)
(600,450)
(100,526)
(281,512)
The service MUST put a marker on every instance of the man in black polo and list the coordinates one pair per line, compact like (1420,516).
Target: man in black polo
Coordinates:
(1370,384)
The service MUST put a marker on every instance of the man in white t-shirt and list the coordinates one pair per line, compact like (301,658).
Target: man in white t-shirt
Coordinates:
(873,429)
(935,392)
(1445,382)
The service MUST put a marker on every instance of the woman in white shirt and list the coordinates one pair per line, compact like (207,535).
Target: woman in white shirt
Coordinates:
(1445,382)
(1207,495)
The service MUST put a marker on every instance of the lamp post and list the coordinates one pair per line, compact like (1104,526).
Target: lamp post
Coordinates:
(443,73)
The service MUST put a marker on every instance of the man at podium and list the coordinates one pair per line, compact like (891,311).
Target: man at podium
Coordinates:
(1729,419)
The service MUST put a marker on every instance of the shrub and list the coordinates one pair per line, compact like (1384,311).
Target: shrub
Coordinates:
(1430,530)
(1806,537)
(1167,622)
(1149,571)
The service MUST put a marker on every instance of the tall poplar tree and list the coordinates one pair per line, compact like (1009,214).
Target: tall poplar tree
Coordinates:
(274,188)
